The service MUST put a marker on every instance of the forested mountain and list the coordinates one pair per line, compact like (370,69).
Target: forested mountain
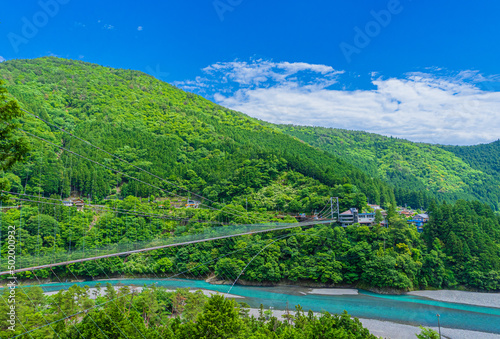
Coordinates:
(444,172)
(179,136)
(238,163)
(220,153)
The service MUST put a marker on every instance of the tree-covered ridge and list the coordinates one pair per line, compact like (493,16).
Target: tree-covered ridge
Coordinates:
(448,173)
(485,157)
(13,147)
(176,135)
(468,233)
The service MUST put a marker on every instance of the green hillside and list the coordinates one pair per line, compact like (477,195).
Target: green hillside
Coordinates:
(446,172)
(210,150)
(485,157)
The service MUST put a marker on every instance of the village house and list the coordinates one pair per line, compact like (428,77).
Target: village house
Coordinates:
(419,220)
(366,219)
(79,203)
(193,204)
(405,213)
(352,216)
(424,217)
(348,217)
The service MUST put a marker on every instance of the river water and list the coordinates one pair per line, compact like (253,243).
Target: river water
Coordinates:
(404,309)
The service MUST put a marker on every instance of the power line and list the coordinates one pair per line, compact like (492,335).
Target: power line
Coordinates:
(104,208)
(121,159)
(127,175)
(86,311)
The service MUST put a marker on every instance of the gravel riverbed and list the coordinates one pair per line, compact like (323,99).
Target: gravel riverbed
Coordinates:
(392,330)
(470,298)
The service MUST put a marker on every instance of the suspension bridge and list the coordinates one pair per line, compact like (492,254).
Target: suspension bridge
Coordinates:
(29,263)
(42,260)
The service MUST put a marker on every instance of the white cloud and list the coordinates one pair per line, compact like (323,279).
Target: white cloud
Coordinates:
(261,71)
(2,59)
(110,27)
(140,28)
(419,106)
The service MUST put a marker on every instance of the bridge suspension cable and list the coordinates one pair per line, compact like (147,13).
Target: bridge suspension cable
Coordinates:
(225,232)
(131,292)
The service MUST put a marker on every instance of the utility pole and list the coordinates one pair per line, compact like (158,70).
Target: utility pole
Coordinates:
(439,326)
(287,313)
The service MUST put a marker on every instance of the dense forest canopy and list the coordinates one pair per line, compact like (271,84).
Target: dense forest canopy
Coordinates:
(13,145)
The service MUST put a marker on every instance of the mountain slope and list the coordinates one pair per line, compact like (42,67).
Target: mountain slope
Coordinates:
(217,152)
(446,172)
(485,157)
(193,142)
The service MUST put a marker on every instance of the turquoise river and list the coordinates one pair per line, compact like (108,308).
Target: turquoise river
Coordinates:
(405,309)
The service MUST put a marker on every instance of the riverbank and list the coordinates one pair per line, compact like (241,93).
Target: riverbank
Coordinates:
(379,328)
(390,316)
(461,297)
(92,292)
(474,298)
(392,330)
(485,299)
(213,280)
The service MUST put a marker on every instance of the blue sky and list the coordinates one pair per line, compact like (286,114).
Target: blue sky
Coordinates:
(419,69)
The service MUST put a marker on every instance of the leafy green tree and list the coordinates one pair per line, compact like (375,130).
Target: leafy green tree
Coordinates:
(13,145)
(378,217)
(219,319)
(427,333)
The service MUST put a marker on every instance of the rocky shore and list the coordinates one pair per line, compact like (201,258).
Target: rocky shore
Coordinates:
(469,298)
(392,330)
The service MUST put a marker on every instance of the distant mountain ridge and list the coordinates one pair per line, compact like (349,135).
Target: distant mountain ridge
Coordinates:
(447,172)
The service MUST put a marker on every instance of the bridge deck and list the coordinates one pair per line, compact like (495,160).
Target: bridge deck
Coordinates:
(254,231)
